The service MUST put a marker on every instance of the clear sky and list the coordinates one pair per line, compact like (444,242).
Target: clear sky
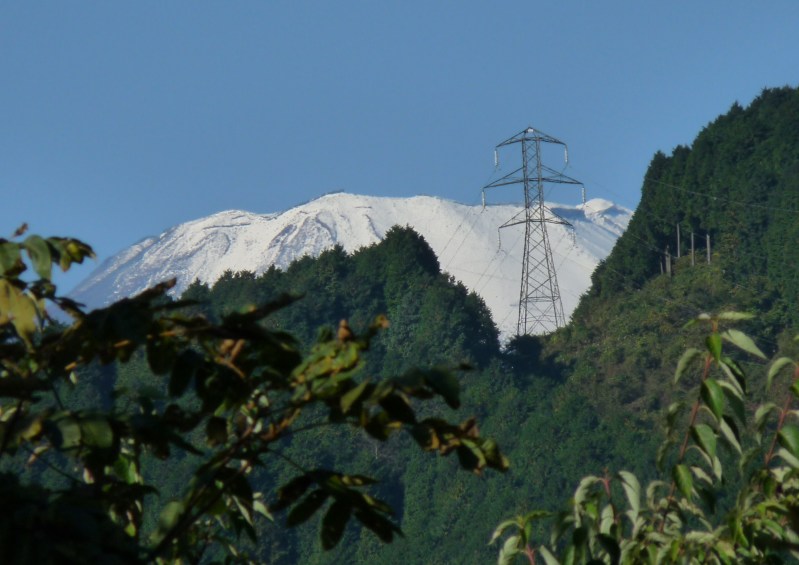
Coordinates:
(121,119)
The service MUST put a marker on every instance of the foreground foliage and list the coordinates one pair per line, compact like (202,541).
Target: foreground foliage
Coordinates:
(230,393)
(726,498)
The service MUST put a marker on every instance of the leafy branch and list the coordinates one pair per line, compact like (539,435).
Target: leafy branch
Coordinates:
(228,393)
(679,520)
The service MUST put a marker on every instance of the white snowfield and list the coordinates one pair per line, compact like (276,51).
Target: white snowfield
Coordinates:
(465,238)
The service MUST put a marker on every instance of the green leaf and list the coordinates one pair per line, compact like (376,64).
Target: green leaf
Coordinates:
(292,491)
(378,505)
(743,341)
(306,508)
(69,432)
(493,456)
(713,343)
(333,524)
(717,468)
(789,438)
(549,559)
(216,431)
(690,354)
(672,413)
(708,496)
(700,474)
(788,457)
(397,407)
(446,384)
(734,398)
(242,520)
(97,432)
(683,479)
(509,551)
(705,437)
(713,397)
(379,426)
(632,490)
(8,295)
(9,258)
(662,451)
(730,432)
(499,530)
(260,507)
(23,316)
(776,367)
(735,316)
(611,546)
(351,396)
(470,456)
(381,526)
(607,518)
(735,374)
(39,253)
(763,412)
(357,480)
(169,518)
(583,489)
(75,249)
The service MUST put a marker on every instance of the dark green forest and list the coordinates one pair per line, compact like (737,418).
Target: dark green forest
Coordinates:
(592,395)
(588,398)
(519,398)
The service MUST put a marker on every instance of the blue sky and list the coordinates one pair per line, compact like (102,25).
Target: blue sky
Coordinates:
(121,119)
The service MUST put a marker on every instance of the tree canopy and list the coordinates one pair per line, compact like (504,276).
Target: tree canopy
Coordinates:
(90,474)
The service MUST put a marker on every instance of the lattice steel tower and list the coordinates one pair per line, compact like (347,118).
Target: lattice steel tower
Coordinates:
(540,306)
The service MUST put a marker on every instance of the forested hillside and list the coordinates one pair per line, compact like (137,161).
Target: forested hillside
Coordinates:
(575,402)
(587,398)
(541,425)
(736,183)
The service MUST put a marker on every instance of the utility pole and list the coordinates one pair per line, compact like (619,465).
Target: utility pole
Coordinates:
(540,305)
(668,261)
(693,256)
(708,249)
(678,241)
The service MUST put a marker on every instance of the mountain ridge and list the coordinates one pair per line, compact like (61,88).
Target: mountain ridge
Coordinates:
(465,238)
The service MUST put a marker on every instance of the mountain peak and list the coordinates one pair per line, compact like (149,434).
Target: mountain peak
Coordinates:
(465,238)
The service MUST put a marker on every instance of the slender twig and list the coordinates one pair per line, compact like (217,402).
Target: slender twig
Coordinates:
(530,553)
(780,422)
(192,515)
(686,440)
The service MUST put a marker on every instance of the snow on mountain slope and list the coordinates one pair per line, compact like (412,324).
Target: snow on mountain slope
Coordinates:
(465,238)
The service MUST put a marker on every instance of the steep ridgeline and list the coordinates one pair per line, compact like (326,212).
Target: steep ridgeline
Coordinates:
(465,239)
(737,182)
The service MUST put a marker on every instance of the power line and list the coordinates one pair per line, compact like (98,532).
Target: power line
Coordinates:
(727,200)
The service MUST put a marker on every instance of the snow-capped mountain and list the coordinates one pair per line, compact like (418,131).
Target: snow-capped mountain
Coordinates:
(465,238)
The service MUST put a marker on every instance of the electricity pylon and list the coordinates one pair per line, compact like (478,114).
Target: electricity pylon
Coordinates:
(540,306)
